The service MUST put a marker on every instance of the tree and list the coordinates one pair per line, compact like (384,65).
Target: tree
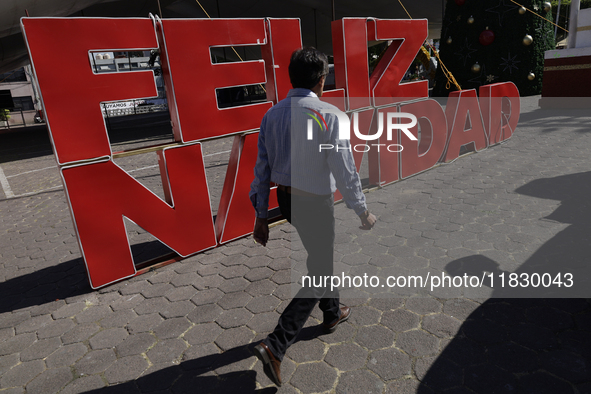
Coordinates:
(490,41)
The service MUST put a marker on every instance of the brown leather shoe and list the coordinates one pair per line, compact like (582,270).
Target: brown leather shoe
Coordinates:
(271,365)
(330,328)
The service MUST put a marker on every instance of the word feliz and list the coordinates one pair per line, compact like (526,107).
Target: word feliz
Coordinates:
(100,193)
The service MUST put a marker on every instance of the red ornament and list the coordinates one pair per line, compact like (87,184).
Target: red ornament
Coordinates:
(460,2)
(486,37)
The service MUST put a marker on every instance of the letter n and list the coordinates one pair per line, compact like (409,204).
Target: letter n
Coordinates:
(101,194)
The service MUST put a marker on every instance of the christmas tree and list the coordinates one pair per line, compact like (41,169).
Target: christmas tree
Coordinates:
(490,41)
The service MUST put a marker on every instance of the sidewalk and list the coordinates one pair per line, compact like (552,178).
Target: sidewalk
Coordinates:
(188,327)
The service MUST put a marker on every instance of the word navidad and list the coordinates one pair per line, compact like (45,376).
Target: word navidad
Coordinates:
(101,194)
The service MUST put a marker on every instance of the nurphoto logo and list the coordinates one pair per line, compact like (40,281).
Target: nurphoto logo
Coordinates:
(345,129)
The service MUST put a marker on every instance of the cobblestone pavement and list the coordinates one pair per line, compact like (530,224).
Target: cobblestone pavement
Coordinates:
(189,326)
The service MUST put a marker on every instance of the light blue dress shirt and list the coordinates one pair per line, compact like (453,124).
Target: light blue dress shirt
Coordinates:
(287,157)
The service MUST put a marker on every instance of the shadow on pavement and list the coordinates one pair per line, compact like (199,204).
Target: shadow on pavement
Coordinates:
(529,345)
(197,375)
(67,279)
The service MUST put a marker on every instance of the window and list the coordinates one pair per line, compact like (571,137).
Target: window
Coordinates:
(25,103)
(14,76)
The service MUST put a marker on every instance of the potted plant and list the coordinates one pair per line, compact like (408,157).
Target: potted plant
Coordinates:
(4,116)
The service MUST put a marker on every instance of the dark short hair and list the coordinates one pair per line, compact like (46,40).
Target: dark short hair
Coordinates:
(306,67)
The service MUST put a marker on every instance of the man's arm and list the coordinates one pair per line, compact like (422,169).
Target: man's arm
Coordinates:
(259,190)
(342,167)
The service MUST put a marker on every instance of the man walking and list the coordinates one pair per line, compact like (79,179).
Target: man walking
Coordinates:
(289,155)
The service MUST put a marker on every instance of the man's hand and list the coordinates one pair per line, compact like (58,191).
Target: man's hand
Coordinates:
(261,231)
(367,220)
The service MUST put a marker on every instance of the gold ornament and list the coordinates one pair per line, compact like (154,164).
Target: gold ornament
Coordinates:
(527,40)
(448,40)
(470,20)
(531,76)
(522,10)
(476,68)
(547,6)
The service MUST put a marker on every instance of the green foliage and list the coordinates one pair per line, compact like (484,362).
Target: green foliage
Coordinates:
(507,58)
(4,114)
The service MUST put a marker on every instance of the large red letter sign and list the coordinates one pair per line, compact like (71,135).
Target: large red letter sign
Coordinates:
(78,132)
(102,194)
(192,79)
(500,110)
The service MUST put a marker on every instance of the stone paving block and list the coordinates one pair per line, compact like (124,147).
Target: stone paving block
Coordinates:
(233,285)
(204,313)
(177,309)
(108,338)
(9,361)
(66,355)
(314,377)
(95,361)
(33,324)
(17,343)
(80,333)
(260,288)
(263,304)
(361,381)
(126,302)
(55,328)
(156,290)
(208,296)
(135,344)
(84,384)
(258,273)
(263,322)
(441,325)
(407,386)
(386,304)
(199,356)
(186,279)
(389,364)
(125,369)
(166,351)
(22,374)
(171,328)
(6,333)
(489,378)
(234,300)
(364,316)
(400,320)
(459,308)
(374,337)
(181,293)
(423,305)
(417,343)
(118,319)
(307,350)
(40,349)
(46,308)
(151,305)
(203,333)
(50,381)
(144,323)
(94,313)
(159,378)
(346,357)
(234,318)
